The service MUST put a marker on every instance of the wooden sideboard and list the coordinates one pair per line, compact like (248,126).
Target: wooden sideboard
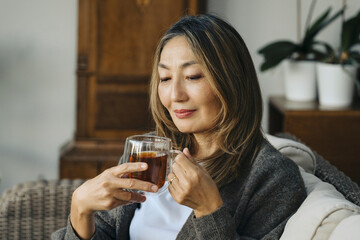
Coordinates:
(333,133)
(116,42)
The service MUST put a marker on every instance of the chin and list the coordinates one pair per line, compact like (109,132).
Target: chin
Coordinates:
(187,130)
(188,127)
(184,129)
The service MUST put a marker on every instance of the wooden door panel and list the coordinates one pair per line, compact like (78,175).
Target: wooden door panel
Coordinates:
(122,111)
(127,35)
(117,41)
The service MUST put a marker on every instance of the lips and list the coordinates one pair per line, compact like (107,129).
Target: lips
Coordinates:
(183,113)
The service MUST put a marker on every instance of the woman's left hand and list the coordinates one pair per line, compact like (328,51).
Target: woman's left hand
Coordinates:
(192,186)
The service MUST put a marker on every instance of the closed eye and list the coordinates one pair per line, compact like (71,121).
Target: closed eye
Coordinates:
(164,79)
(194,77)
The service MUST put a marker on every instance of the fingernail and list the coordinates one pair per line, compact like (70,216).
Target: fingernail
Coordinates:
(143,165)
(154,188)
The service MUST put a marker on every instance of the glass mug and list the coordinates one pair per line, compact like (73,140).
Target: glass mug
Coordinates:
(156,152)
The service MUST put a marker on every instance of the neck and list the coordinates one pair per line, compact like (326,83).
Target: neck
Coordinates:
(205,145)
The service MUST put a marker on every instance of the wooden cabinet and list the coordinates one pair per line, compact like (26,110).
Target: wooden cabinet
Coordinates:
(335,134)
(116,42)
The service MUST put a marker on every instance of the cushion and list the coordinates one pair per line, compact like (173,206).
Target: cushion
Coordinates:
(302,155)
(321,213)
(348,229)
(325,213)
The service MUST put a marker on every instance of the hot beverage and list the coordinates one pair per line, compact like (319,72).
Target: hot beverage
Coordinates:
(156,152)
(157,166)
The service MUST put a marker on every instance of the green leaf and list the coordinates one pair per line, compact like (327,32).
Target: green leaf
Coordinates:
(329,50)
(282,48)
(319,24)
(275,52)
(269,64)
(350,32)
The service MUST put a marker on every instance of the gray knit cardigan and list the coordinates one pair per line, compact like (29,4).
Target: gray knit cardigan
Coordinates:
(256,205)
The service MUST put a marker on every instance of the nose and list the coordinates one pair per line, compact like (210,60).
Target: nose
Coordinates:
(178,90)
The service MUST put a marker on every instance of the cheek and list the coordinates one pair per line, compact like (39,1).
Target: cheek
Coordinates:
(163,96)
(216,107)
(212,103)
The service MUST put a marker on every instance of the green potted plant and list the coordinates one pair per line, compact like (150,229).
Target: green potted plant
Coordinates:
(336,73)
(299,72)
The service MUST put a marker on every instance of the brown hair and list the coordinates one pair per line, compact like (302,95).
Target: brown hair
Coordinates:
(226,60)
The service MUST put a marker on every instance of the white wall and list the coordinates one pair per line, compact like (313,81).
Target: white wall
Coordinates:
(37,72)
(37,86)
(261,21)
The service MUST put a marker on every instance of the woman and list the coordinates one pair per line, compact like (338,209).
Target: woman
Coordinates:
(229,182)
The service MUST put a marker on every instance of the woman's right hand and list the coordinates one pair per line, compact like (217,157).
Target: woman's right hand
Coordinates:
(105,192)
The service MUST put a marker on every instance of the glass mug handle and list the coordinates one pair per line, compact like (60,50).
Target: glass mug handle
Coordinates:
(173,154)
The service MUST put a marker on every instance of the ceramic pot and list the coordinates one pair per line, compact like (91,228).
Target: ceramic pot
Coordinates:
(299,80)
(336,84)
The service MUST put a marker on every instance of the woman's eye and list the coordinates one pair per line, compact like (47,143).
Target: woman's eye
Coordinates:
(164,79)
(194,77)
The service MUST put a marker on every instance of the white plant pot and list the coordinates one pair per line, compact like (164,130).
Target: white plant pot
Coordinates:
(336,84)
(299,80)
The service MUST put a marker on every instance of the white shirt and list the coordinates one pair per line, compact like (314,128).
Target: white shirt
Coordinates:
(159,217)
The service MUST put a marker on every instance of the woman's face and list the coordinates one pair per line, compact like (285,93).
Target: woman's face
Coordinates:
(184,90)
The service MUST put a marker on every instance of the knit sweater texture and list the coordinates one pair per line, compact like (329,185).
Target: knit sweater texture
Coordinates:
(257,205)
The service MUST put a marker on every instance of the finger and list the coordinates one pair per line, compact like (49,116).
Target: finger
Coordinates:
(172,187)
(129,197)
(187,153)
(171,178)
(181,179)
(179,184)
(185,159)
(128,168)
(188,174)
(134,184)
(183,166)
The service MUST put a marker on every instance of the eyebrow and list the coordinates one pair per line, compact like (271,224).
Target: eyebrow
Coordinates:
(184,65)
